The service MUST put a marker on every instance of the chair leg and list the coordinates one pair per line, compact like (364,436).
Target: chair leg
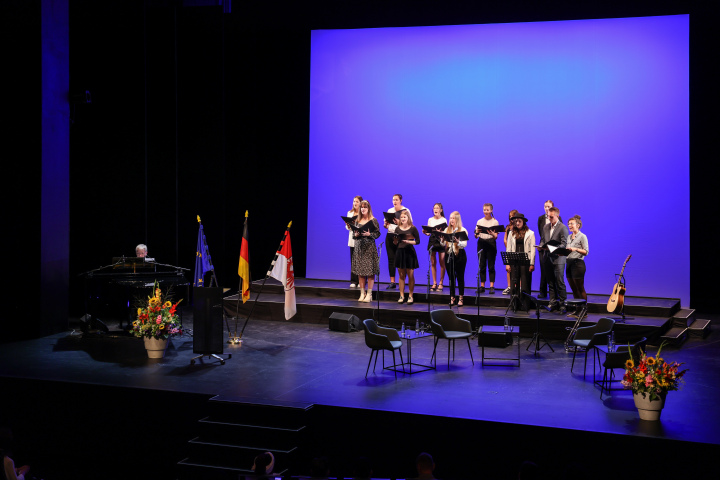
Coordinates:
(449,342)
(376,355)
(585,367)
(470,349)
(434,350)
(369,362)
(602,383)
(401,359)
(573,362)
(394,365)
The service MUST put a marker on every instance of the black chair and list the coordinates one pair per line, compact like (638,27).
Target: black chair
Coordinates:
(445,324)
(617,359)
(380,338)
(588,337)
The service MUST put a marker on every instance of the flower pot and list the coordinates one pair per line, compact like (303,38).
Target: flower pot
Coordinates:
(649,409)
(155,347)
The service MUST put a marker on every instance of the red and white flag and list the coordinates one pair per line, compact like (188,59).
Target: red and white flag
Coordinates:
(282,270)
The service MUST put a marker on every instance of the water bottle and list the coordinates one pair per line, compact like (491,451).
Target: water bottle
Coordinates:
(609,343)
(402,331)
(612,341)
(417,326)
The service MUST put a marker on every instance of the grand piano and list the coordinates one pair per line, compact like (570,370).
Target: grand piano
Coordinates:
(114,292)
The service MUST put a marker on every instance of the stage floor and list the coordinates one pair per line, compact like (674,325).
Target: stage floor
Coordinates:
(302,363)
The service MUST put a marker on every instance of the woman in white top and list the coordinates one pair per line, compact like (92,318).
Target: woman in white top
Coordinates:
(521,240)
(435,247)
(455,258)
(390,247)
(351,240)
(487,247)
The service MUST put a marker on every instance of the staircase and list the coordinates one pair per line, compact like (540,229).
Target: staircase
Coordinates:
(234,433)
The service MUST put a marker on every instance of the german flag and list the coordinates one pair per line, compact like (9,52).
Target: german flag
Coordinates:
(244,266)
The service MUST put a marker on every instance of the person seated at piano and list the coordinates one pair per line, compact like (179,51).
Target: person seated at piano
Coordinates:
(141,250)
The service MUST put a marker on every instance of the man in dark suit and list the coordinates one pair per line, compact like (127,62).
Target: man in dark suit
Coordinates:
(542,221)
(555,264)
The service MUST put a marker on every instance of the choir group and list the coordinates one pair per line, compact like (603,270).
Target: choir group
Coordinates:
(560,252)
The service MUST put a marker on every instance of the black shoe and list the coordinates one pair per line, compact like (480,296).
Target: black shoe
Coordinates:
(492,291)
(391,286)
(542,295)
(482,289)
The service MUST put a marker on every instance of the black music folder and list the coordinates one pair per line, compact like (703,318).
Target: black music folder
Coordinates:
(448,237)
(429,229)
(390,216)
(349,219)
(495,228)
(368,227)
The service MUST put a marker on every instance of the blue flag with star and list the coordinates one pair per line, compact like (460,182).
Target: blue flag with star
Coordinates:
(203,263)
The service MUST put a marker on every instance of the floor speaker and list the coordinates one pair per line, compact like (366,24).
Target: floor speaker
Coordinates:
(207,320)
(344,322)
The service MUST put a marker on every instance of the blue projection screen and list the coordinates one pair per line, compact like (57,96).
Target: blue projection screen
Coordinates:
(592,114)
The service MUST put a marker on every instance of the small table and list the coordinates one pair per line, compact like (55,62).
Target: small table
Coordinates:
(493,330)
(410,335)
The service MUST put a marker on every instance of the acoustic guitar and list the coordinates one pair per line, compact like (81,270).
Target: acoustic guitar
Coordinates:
(615,304)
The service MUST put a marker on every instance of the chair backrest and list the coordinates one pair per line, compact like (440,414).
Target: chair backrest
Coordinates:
(373,339)
(603,327)
(446,320)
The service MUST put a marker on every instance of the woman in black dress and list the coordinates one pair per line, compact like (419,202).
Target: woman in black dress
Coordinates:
(366,263)
(407,236)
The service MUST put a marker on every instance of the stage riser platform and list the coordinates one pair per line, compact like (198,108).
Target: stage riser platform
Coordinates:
(271,307)
(330,289)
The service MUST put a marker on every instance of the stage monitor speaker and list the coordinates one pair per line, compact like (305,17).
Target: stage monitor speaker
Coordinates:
(344,322)
(496,340)
(207,320)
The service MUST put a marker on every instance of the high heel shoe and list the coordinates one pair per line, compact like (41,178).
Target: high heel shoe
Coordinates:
(368,297)
(434,287)
(440,287)
(460,302)
(362,296)
(452,301)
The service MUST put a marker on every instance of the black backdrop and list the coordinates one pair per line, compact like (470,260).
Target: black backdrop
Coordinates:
(197,112)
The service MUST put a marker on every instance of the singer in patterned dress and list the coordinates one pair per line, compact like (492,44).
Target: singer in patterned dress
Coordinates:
(366,263)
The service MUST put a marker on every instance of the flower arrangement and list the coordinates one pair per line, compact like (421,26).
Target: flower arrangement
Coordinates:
(652,376)
(158,319)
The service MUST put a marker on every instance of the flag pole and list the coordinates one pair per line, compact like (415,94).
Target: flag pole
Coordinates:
(266,277)
(233,337)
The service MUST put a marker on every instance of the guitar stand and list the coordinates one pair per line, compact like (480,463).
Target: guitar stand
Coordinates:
(622,318)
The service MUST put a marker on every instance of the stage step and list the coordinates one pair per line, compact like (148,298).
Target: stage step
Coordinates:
(700,328)
(234,433)
(675,336)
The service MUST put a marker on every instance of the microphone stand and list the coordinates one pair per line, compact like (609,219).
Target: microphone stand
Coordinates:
(377,283)
(477,293)
(430,257)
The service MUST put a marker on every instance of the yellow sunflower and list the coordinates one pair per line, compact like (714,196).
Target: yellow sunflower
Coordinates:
(629,363)
(153,302)
(167,304)
(139,311)
(650,361)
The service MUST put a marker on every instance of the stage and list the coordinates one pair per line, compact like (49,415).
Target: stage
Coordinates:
(305,364)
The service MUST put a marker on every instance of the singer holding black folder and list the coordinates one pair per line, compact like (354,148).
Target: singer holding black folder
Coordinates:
(521,239)
(366,263)
(487,246)
(435,247)
(406,261)
(351,240)
(455,257)
(390,247)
